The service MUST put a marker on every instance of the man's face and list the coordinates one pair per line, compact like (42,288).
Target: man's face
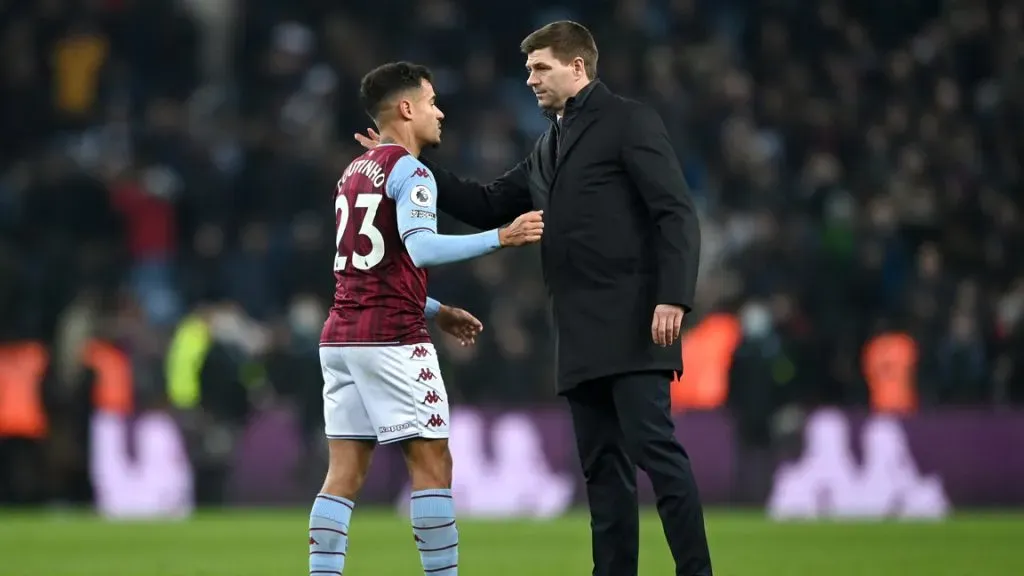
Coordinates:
(427,116)
(551,80)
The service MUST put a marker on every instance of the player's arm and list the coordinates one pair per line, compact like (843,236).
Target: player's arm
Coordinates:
(652,163)
(484,206)
(415,195)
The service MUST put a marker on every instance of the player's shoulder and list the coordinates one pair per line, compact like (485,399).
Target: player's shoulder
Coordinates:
(389,151)
(411,174)
(411,179)
(412,168)
(385,155)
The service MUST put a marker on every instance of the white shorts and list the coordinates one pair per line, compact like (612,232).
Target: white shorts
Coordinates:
(383,393)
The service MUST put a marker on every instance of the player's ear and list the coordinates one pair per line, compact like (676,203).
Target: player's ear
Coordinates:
(405,109)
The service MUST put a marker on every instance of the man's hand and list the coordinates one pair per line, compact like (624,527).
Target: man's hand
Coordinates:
(370,140)
(458,323)
(668,321)
(526,229)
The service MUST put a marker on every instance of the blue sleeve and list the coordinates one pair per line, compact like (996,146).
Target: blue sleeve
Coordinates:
(431,308)
(412,187)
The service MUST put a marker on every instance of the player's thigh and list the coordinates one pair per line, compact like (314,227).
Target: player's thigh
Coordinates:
(403,391)
(345,416)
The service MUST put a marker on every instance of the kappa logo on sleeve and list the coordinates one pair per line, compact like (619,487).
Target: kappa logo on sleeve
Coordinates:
(422,173)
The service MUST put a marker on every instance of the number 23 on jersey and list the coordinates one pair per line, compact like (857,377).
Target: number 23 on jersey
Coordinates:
(369,203)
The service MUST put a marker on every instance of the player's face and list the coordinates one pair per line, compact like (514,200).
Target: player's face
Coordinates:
(551,80)
(428,116)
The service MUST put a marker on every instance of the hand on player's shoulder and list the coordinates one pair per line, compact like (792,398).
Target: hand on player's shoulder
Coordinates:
(370,140)
(526,229)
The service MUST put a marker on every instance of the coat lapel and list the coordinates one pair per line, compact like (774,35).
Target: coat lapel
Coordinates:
(546,157)
(579,126)
(553,155)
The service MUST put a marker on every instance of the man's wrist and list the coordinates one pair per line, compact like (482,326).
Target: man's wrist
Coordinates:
(432,308)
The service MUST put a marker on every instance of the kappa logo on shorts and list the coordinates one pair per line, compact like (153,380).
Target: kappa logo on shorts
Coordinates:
(435,422)
(426,374)
(395,428)
(432,397)
(419,353)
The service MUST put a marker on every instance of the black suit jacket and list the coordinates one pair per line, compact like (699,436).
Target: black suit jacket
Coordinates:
(621,234)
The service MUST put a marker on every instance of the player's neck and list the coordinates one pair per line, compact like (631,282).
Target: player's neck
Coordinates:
(390,136)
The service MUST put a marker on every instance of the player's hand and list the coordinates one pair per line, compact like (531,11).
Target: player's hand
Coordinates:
(370,140)
(526,229)
(459,323)
(668,321)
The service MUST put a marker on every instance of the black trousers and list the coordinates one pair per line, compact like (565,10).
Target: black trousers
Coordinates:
(622,422)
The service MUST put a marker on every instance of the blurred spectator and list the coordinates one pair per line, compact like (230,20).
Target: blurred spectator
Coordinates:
(857,164)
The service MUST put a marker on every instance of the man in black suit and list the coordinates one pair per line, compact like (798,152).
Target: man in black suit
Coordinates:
(620,253)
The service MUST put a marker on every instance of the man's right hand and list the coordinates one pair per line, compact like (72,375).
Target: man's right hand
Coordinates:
(370,140)
(526,229)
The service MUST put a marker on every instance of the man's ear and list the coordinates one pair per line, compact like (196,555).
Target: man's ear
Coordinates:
(579,67)
(405,109)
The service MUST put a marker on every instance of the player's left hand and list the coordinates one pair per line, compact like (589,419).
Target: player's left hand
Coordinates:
(459,323)
(370,140)
(668,321)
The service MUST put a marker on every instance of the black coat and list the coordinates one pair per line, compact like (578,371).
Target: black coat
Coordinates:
(621,234)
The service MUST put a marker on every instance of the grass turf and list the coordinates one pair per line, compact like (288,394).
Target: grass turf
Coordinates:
(274,543)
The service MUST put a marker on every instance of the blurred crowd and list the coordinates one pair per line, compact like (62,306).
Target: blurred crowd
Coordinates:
(169,164)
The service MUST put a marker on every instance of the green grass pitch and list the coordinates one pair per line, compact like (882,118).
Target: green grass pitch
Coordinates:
(274,543)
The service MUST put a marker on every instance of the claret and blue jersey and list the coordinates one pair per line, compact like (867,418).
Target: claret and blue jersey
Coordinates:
(386,218)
